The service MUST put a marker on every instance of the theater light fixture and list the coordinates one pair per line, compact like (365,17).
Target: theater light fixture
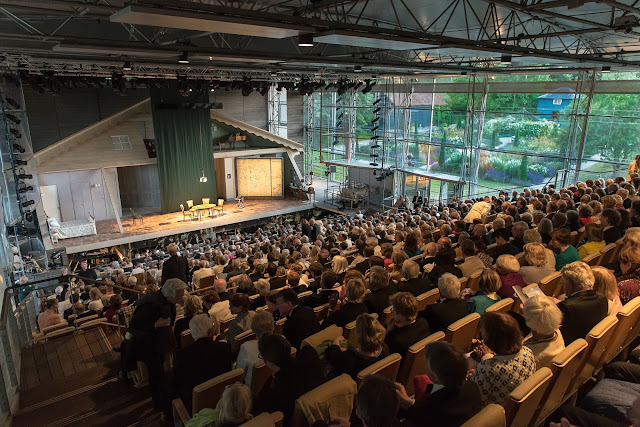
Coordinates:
(505,59)
(357,69)
(305,40)
(126,66)
(203,178)
(184,58)
(606,69)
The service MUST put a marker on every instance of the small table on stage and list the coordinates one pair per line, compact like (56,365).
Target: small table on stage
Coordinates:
(198,209)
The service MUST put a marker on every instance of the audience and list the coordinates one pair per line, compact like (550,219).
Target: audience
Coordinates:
(48,313)
(583,308)
(534,267)
(605,284)
(629,280)
(489,285)
(595,242)
(499,352)
(543,318)
(261,324)
(565,252)
(405,328)
(508,269)
(352,307)
(301,320)
(370,335)
(192,305)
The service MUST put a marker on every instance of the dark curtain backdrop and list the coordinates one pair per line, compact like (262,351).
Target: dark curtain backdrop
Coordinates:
(180,159)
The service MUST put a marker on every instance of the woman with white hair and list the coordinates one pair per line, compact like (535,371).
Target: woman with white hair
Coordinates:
(508,268)
(339,265)
(96,300)
(449,308)
(544,318)
(261,324)
(535,263)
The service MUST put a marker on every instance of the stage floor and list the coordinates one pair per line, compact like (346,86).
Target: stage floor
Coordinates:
(159,225)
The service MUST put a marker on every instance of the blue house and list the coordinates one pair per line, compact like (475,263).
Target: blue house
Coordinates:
(550,104)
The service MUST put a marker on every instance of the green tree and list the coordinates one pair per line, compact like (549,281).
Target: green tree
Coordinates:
(442,157)
(524,167)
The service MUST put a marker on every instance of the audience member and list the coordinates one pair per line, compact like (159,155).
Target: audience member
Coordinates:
(489,285)
(406,328)
(261,324)
(534,267)
(543,318)
(239,306)
(508,269)
(301,320)
(561,245)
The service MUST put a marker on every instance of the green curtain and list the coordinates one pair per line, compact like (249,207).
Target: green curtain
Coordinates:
(184,147)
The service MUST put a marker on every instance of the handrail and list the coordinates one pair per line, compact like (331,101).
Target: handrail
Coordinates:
(102,282)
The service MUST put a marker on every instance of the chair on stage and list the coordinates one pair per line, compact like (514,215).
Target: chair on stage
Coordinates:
(219,207)
(186,214)
(135,217)
(189,204)
(205,201)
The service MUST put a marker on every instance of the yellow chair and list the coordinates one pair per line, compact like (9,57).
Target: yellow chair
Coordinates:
(592,259)
(474,280)
(387,367)
(186,213)
(491,415)
(205,201)
(186,339)
(189,204)
(265,419)
(224,324)
(279,325)
(523,401)
(349,332)
(387,315)
(219,207)
(321,311)
(626,330)
(242,338)
(552,284)
(607,253)
(53,328)
(461,332)
(428,298)
(334,398)
(414,363)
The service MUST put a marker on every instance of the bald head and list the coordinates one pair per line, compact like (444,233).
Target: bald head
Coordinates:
(444,242)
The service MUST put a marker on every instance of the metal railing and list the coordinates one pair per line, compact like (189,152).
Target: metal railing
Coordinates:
(18,325)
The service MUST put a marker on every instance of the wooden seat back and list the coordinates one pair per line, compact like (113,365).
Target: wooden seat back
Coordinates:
(321,311)
(279,326)
(207,394)
(463,282)
(523,401)
(327,334)
(461,332)
(428,298)
(265,419)
(414,363)
(53,328)
(598,339)
(92,324)
(607,253)
(491,415)
(349,331)
(242,338)
(616,251)
(626,330)
(207,282)
(139,278)
(564,367)
(502,306)
(474,280)
(82,320)
(387,367)
(186,339)
(387,315)
(224,324)
(69,330)
(551,283)
(592,259)
(328,398)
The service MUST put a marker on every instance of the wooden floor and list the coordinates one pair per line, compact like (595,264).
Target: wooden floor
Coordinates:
(50,362)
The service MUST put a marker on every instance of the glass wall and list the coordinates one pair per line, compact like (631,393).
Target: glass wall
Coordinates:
(499,132)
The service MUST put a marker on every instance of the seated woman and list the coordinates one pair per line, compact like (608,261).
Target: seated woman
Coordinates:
(339,265)
(406,328)
(629,281)
(192,305)
(606,284)
(585,212)
(244,284)
(371,348)
(489,285)
(595,242)
(411,248)
(545,228)
(262,323)
(48,313)
(535,263)
(508,268)
(543,317)
(504,362)
(95,303)
(239,305)
(352,307)
(115,304)
(573,220)
(233,409)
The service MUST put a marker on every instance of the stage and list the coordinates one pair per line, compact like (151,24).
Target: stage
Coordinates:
(159,225)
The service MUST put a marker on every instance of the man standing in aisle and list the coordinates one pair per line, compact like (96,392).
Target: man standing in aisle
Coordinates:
(175,267)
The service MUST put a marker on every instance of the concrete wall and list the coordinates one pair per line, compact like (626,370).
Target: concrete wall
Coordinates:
(139,186)
(83,193)
(250,109)
(52,118)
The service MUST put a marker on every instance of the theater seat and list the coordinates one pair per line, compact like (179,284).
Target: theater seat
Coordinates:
(491,415)
(327,334)
(387,367)
(501,306)
(461,332)
(523,401)
(414,363)
(334,398)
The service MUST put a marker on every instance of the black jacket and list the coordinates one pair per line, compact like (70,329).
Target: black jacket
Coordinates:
(197,363)
(447,407)
(350,361)
(439,316)
(611,235)
(301,323)
(400,339)
(378,300)
(347,314)
(415,286)
(581,312)
(89,273)
(175,267)
(362,266)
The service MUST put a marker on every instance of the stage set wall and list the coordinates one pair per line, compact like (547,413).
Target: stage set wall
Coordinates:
(83,193)
(139,187)
(184,147)
(376,188)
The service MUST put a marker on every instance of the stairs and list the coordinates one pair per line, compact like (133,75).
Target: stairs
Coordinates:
(86,392)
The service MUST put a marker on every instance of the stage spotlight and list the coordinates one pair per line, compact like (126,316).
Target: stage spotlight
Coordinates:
(377,110)
(19,148)
(357,69)
(505,59)
(377,101)
(606,69)
(184,58)
(126,66)
(25,189)
(27,203)
(16,133)
(16,120)
(19,162)
(305,40)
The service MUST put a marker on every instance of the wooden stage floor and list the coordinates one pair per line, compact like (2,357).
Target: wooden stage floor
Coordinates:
(159,225)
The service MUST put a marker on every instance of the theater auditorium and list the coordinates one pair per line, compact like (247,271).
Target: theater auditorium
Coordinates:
(318,213)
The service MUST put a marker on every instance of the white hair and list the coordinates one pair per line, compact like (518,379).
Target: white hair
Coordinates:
(498,223)
(201,325)
(235,404)
(449,286)
(579,274)
(508,263)
(542,315)
(633,236)
(410,269)
(171,287)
